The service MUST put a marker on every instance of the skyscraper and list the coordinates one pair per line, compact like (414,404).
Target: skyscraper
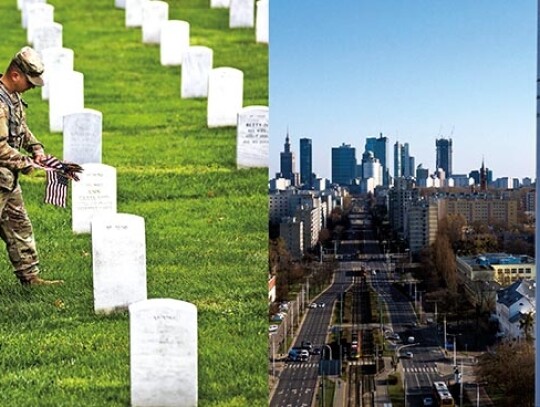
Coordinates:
(444,155)
(379,147)
(306,162)
(398,169)
(287,162)
(371,168)
(403,161)
(406,170)
(343,164)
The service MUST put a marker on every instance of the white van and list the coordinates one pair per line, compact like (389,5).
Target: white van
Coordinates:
(410,339)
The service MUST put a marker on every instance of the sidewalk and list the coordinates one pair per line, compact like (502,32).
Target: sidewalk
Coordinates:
(340,393)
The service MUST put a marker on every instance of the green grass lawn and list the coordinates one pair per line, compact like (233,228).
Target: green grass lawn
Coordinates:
(206,221)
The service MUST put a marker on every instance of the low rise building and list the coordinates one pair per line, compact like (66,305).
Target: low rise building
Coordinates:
(513,304)
(502,268)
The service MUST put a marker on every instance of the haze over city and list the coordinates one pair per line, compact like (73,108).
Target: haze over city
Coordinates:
(414,71)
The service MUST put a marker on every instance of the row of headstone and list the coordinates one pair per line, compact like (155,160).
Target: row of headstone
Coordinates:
(63,87)
(222,86)
(163,332)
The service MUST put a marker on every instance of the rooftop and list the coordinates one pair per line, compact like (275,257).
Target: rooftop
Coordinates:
(486,260)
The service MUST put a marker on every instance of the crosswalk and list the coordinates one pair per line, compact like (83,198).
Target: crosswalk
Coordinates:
(429,369)
(420,369)
(301,365)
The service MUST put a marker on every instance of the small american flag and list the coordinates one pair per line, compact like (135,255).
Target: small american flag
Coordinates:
(56,190)
(58,175)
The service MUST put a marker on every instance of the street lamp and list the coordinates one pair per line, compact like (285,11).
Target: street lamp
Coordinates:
(478,392)
(455,355)
(322,372)
(398,349)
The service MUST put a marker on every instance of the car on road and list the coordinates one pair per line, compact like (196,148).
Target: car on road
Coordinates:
(428,401)
(304,355)
(307,346)
(313,305)
(408,355)
(298,355)
(322,305)
(410,339)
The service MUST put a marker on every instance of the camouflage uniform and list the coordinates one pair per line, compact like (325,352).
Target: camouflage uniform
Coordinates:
(15,226)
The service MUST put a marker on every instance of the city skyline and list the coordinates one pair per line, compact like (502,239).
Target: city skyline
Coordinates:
(415,73)
(294,163)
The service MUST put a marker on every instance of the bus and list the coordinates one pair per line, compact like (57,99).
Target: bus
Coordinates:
(442,395)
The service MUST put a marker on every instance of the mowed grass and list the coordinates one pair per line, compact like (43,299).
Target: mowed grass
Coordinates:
(206,221)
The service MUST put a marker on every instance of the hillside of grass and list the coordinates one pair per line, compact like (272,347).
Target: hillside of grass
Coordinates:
(206,221)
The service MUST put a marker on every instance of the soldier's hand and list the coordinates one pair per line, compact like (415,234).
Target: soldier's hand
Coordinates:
(38,158)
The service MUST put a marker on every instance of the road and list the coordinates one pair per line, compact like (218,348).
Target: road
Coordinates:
(421,370)
(298,380)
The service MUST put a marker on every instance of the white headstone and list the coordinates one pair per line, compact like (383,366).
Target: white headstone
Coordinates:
(163,353)
(252,137)
(94,194)
(241,13)
(55,60)
(119,261)
(47,36)
(120,3)
(66,95)
(154,13)
(83,136)
(24,10)
(174,41)
(225,96)
(134,10)
(220,3)
(262,22)
(38,14)
(196,66)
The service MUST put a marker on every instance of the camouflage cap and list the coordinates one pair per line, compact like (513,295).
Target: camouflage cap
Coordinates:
(29,62)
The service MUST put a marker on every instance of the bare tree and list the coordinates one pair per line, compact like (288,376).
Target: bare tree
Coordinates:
(509,369)
(445,262)
(526,324)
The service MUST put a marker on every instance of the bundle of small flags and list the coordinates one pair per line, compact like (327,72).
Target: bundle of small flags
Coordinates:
(58,174)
